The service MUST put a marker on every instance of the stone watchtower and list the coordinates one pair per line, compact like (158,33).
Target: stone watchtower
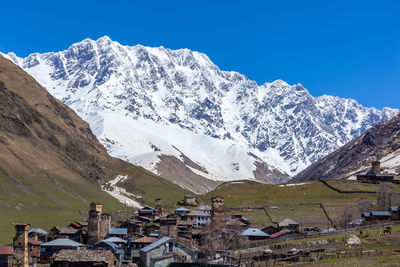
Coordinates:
(99,224)
(159,205)
(376,167)
(21,251)
(218,214)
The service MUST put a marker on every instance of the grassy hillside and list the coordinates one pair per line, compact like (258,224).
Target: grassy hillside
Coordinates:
(52,165)
(284,200)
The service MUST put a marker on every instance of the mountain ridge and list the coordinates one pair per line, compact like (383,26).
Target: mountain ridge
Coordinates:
(172,96)
(381,142)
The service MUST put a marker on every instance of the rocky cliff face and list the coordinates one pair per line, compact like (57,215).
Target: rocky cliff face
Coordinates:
(145,103)
(381,142)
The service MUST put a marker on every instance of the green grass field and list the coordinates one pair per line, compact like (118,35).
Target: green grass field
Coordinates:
(49,201)
(284,198)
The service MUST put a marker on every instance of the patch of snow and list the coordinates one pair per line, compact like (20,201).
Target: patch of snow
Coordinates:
(120,193)
(284,185)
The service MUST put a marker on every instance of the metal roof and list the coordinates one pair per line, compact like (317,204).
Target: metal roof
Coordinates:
(110,244)
(118,231)
(380,213)
(287,222)
(6,250)
(182,209)
(394,208)
(366,214)
(154,245)
(146,239)
(254,232)
(38,230)
(189,196)
(198,213)
(283,232)
(67,230)
(115,240)
(62,242)
(329,230)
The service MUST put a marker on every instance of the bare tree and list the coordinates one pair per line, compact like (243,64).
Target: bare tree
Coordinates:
(386,197)
(364,205)
(345,217)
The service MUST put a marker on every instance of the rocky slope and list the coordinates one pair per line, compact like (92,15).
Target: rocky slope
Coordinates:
(381,142)
(147,105)
(52,165)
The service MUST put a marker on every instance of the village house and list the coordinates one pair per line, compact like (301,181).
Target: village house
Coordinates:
(6,253)
(205,209)
(134,226)
(181,211)
(164,251)
(237,223)
(148,214)
(374,176)
(133,251)
(38,234)
(199,218)
(235,226)
(118,232)
(189,200)
(115,240)
(53,247)
(376,217)
(270,229)
(169,226)
(394,211)
(254,234)
(289,224)
(118,250)
(66,232)
(84,258)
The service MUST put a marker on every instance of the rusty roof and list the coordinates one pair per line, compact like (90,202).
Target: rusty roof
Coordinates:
(85,255)
(33,242)
(6,250)
(146,239)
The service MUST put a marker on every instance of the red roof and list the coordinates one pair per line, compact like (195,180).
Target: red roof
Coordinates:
(146,239)
(283,232)
(6,250)
(33,242)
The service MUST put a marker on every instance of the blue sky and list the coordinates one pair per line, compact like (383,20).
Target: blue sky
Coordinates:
(343,48)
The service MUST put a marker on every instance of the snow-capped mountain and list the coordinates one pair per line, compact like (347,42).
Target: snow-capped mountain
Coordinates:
(146,103)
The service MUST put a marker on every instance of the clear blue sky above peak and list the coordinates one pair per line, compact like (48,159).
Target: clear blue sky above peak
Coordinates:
(344,48)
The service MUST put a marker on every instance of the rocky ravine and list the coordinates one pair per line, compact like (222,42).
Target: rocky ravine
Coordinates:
(381,142)
(150,104)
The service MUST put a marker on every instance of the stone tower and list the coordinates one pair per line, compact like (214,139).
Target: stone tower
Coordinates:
(99,224)
(21,251)
(169,226)
(159,205)
(218,214)
(376,167)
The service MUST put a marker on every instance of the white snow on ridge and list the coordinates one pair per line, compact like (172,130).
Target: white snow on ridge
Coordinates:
(142,102)
(144,140)
(391,162)
(120,193)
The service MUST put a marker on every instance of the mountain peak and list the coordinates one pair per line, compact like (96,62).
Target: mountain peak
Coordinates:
(221,124)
